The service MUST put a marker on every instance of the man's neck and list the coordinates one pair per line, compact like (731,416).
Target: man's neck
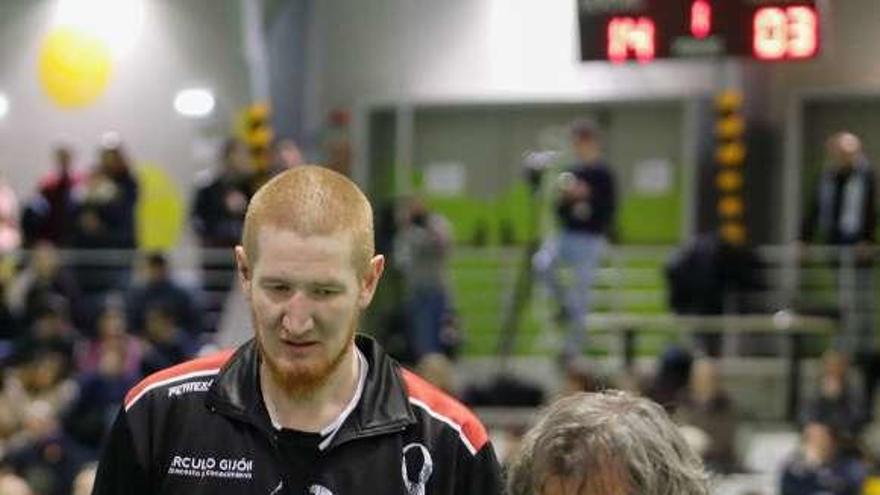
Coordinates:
(316,410)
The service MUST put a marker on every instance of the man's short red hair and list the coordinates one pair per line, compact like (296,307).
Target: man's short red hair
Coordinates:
(312,200)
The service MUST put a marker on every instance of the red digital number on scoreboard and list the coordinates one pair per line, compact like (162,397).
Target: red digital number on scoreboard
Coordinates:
(631,36)
(701,19)
(620,31)
(785,33)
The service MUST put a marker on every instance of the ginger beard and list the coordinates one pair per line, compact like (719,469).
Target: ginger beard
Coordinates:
(302,379)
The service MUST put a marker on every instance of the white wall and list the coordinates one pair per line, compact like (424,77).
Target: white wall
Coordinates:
(849,60)
(480,49)
(183,43)
(527,49)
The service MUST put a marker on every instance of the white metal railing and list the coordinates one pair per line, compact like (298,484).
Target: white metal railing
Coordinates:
(808,279)
(629,274)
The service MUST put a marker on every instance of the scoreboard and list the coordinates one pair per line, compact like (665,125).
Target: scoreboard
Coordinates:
(644,30)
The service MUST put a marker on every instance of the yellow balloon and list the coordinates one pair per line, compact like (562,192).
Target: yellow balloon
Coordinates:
(74,67)
(160,209)
(871,486)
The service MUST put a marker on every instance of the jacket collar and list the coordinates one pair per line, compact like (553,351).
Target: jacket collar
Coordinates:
(384,405)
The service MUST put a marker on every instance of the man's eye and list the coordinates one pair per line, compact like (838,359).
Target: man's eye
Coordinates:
(279,288)
(323,291)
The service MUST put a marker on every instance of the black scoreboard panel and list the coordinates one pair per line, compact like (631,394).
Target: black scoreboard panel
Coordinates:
(645,30)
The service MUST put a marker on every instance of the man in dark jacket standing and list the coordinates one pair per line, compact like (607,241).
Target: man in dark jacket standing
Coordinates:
(842,213)
(218,209)
(585,210)
(306,407)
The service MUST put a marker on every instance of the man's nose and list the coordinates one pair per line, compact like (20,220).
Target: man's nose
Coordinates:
(298,314)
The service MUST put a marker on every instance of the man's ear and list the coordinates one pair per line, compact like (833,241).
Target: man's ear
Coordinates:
(370,281)
(245,273)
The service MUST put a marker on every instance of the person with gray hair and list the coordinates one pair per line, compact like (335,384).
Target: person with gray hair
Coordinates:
(608,442)
(842,213)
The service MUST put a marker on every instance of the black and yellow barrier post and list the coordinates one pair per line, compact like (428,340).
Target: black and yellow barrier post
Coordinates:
(730,156)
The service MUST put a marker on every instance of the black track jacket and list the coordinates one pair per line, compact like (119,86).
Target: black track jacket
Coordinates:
(200,428)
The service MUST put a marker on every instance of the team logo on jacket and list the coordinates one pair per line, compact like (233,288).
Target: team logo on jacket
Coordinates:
(416,468)
(319,490)
(211,467)
(185,388)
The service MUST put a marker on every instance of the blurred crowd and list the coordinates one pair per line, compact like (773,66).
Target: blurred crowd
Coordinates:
(84,316)
(835,453)
(68,359)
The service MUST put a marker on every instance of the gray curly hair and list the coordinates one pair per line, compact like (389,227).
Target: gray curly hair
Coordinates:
(608,442)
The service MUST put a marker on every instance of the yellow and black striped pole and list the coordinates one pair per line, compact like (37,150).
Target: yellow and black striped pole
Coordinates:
(730,156)
(258,135)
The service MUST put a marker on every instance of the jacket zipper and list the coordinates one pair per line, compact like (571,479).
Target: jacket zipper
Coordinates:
(272,436)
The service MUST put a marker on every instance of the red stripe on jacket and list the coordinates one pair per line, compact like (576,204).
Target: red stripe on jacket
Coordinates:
(441,403)
(213,361)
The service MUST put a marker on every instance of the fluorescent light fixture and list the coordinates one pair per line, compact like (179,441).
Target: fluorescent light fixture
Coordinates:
(4,105)
(117,23)
(194,102)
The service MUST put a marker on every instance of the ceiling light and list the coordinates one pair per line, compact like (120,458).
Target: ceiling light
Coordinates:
(194,102)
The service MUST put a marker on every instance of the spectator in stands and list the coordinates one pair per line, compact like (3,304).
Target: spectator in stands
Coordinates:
(96,211)
(167,344)
(693,273)
(579,376)
(106,205)
(711,276)
(112,333)
(115,164)
(388,313)
(287,155)
(421,252)
(10,232)
(34,212)
(49,213)
(221,197)
(50,330)
(41,379)
(105,219)
(838,402)
(219,205)
(43,279)
(50,461)
(668,386)
(842,213)
(707,407)
(159,288)
(605,443)
(585,209)
(820,468)
(100,393)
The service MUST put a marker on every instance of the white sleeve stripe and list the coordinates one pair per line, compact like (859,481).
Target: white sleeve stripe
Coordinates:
(162,383)
(452,424)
